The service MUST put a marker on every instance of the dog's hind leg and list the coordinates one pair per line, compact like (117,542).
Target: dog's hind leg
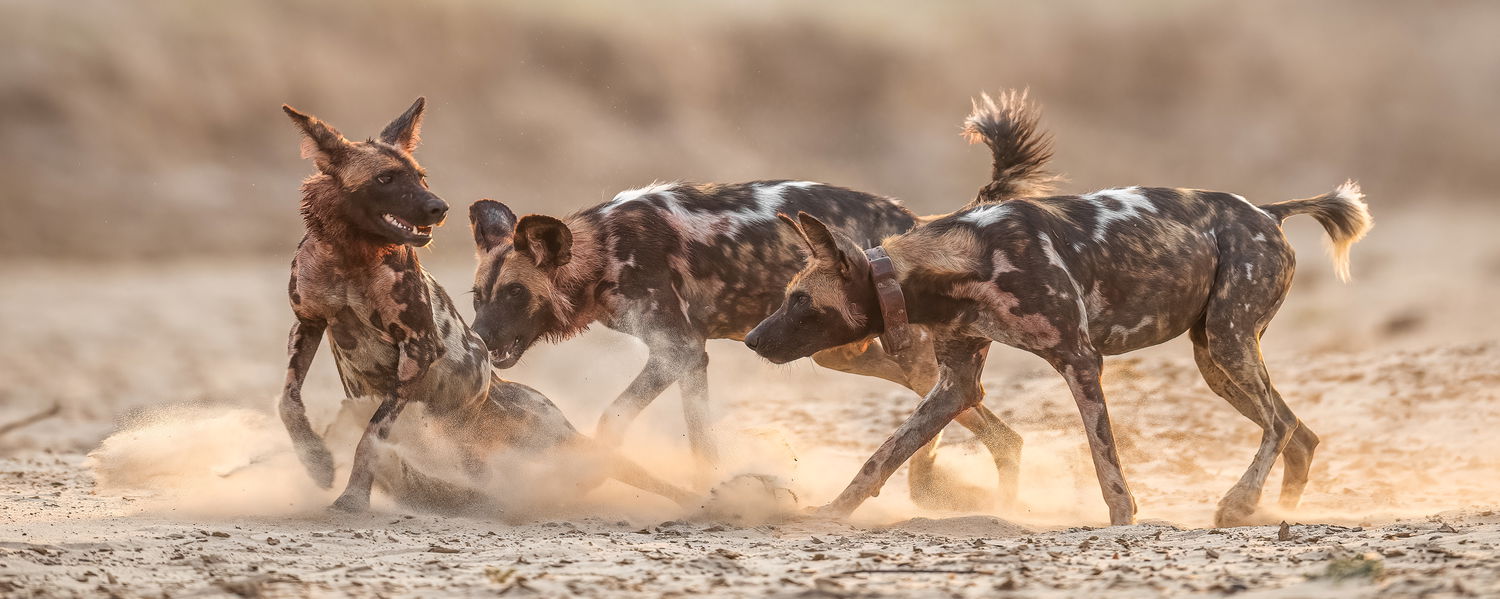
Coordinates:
(612,464)
(413,489)
(1253,279)
(1238,356)
(1297,455)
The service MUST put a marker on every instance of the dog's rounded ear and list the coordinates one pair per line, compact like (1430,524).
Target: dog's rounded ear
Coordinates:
(320,141)
(493,224)
(544,239)
(406,131)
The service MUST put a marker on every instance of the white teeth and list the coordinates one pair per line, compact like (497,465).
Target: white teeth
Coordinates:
(397,223)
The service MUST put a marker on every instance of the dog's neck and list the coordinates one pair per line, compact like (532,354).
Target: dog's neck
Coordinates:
(896,334)
(577,282)
(320,215)
(910,255)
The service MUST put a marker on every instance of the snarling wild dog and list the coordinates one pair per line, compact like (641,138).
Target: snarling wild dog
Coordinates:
(396,334)
(677,264)
(1072,279)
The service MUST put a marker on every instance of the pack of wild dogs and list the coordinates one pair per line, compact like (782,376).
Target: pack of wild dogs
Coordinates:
(793,269)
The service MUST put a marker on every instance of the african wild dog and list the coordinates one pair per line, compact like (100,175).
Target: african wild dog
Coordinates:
(396,334)
(1072,279)
(677,264)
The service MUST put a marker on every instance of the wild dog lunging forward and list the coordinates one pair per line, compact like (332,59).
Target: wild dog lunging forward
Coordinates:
(1072,279)
(396,334)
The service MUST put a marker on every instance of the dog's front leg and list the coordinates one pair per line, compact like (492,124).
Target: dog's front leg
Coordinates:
(412,362)
(302,345)
(660,372)
(957,389)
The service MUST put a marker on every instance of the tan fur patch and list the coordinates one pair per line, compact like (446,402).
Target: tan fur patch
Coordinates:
(544,294)
(823,283)
(954,251)
(364,163)
(549,290)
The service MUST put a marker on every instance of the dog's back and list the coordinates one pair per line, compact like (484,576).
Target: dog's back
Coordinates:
(1140,262)
(722,247)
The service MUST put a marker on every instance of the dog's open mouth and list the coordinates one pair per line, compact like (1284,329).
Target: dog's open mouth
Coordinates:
(415,232)
(507,355)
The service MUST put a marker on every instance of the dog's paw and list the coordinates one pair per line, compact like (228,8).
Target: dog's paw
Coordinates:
(749,500)
(941,490)
(350,503)
(319,464)
(1237,508)
(829,512)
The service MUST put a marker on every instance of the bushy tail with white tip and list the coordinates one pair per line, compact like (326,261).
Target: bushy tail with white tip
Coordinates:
(1342,212)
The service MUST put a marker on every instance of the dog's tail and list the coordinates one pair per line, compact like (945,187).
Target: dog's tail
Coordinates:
(1008,125)
(1342,212)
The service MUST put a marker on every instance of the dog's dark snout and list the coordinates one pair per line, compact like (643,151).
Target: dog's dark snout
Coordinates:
(482,328)
(752,340)
(437,208)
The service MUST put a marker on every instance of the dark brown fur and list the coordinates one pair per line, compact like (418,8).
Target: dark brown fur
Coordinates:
(676,265)
(1009,125)
(1072,279)
(396,334)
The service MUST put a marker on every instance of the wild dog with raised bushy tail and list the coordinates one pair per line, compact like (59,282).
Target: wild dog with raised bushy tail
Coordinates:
(677,264)
(1072,279)
(396,334)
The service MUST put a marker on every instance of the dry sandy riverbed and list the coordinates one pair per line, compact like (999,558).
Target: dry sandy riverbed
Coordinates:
(62,540)
(1399,373)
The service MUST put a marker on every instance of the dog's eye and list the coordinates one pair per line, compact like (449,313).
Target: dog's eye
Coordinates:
(384,179)
(801,300)
(514,290)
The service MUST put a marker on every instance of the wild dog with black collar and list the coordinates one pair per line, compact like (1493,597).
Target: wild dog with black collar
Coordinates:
(396,334)
(678,264)
(1072,279)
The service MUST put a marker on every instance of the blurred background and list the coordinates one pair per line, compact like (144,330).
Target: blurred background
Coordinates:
(151,179)
(152,129)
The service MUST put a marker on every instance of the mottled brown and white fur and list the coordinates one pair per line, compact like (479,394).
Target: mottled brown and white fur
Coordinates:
(1072,279)
(396,335)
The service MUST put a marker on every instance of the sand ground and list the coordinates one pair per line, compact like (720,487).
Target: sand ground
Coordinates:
(194,494)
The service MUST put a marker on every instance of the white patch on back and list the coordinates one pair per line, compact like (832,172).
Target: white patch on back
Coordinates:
(1132,205)
(1259,237)
(1249,270)
(631,195)
(986,215)
(704,225)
